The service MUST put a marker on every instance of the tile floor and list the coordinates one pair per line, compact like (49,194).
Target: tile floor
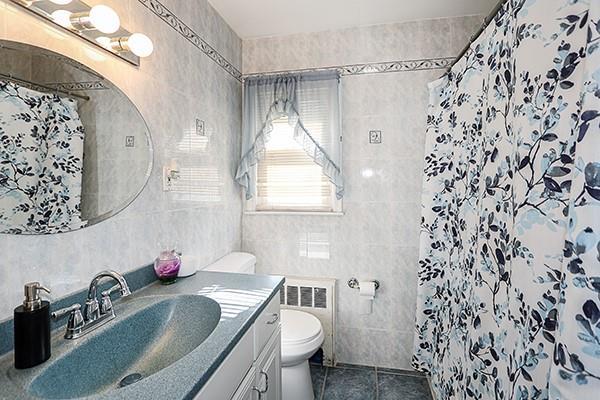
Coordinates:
(353,382)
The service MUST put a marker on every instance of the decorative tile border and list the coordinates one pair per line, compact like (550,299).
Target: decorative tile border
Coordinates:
(396,66)
(373,68)
(75,86)
(188,33)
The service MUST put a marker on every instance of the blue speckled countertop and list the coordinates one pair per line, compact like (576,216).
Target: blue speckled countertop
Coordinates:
(184,378)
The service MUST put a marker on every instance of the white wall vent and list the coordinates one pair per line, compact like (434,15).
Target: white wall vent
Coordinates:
(315,296)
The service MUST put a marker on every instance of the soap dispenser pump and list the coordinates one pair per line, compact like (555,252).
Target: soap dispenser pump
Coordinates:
(32,328)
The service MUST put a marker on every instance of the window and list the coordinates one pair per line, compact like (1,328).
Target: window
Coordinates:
(288,179)
(291,143)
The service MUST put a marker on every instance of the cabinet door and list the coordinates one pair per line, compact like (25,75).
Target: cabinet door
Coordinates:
(233,370)
(247,389)
(268,369)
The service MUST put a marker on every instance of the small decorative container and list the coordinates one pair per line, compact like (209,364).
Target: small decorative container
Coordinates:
(166,266)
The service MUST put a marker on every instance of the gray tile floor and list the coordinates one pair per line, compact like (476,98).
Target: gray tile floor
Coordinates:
(353,382)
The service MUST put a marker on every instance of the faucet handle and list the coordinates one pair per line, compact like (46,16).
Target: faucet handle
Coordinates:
(106,303)
(76,322)
(110,291)
(58,314)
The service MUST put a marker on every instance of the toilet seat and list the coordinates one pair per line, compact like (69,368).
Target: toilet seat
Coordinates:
(301,336)
(298,327)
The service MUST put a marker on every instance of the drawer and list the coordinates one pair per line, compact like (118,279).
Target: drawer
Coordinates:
(266,324)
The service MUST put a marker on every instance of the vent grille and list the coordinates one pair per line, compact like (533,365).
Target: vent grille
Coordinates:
(292,295)
(320,297)
(306,296)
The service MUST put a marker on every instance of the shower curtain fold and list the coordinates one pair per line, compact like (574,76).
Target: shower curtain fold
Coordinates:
(509,270)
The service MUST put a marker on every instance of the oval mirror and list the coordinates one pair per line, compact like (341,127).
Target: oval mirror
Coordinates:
(74,150)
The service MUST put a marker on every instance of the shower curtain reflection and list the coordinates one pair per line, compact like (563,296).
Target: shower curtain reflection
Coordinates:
(41,161)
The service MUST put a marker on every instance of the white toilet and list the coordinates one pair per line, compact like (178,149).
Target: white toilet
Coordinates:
(301,334)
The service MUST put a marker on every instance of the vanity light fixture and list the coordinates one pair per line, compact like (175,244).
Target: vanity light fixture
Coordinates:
(100,17)
(63,18)
(28,3)
(99,25)
(138,43)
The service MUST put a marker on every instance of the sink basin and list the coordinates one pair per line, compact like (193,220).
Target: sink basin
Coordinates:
(148,335)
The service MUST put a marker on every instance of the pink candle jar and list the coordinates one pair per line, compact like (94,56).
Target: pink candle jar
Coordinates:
(166,266)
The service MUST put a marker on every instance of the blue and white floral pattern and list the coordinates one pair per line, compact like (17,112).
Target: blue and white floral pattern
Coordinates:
(509,279)
(41,162)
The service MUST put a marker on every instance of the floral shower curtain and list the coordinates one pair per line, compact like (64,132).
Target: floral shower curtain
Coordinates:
(41,161)
(509,279)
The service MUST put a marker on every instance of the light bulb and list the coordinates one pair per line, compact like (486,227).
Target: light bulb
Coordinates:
(61,2)
(62,17)
(104,19)
(140,45)
(104,41)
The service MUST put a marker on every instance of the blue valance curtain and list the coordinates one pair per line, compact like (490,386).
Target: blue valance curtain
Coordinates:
(509,272)
(310,102)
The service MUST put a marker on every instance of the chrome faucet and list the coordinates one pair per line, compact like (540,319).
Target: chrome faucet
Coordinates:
(92,309)
(95,314)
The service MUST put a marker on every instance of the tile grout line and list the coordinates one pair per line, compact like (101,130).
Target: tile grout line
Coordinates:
(322,394)
(376,384)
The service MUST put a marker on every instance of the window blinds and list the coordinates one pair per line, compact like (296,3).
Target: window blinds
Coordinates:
(288,179)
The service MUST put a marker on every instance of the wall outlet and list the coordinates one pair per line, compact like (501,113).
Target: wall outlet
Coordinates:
(375,137)
(129,141)
(200,128)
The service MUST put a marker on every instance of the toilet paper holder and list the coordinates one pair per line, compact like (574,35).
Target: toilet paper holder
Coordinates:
(353,283)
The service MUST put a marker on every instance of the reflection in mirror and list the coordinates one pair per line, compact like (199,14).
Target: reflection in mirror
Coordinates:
(74,150)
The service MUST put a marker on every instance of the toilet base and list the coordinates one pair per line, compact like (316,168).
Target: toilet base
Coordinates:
(296,382)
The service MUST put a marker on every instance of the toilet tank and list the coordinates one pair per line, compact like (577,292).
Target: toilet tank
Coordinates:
(237,262)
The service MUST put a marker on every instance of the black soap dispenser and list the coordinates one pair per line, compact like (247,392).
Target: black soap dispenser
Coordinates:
(32,328)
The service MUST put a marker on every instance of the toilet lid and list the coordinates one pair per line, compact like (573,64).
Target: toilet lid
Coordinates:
(298,327)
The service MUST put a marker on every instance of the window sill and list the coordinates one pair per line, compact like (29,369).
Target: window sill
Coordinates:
(297,213)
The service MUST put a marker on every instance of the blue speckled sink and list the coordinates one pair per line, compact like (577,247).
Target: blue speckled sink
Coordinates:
(149,334)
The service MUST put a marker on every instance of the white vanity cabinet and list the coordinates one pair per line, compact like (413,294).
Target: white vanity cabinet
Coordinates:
(268,370)
(248,389)
(252,371)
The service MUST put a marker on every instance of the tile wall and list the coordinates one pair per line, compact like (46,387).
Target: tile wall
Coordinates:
(377,237)
(173,87)
(183,80)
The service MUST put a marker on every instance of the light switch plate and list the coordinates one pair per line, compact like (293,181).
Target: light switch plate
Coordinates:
(375,137)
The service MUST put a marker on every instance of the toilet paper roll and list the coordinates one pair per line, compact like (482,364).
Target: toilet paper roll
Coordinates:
(366,296)
(367,289)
